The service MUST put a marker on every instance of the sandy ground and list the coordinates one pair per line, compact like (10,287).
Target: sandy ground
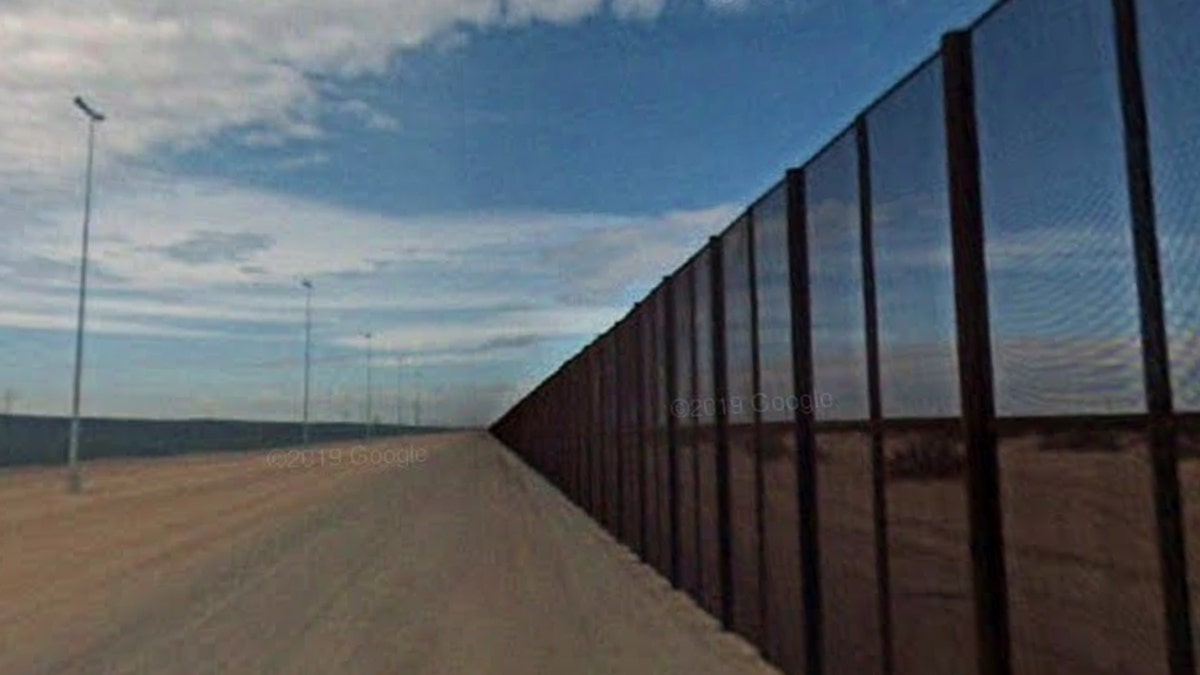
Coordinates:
(463,562)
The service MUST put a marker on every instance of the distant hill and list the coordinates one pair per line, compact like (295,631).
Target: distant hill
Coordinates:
(31,439)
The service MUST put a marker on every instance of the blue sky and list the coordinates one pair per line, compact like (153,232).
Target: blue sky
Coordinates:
(482,185)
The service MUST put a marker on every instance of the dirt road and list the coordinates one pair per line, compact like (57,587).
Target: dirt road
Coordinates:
(457,559)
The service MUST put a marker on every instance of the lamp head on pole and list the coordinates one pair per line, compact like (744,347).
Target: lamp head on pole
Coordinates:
(93,114)
(306,283)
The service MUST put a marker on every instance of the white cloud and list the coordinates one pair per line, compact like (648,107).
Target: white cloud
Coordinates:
(181,260)
(171,252)
(62,318)
(638,9)
(729,5)
(461,341)
(175,74)
(370,115)
(304,161)
(186,258)
(553,11)
(635,253)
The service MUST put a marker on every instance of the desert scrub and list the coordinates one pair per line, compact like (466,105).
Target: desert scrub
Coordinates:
(1188,444)
(774,446)
(1081,439)
(777,446)
(931,456)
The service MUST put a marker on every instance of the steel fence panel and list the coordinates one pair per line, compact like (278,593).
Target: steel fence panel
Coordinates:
(743,465)
(784,610)
(683,407)
(612,455)
(845,485)
(1066,332)
(705,456)
(646,431)
(918,371)
(1170,58)
(664,419)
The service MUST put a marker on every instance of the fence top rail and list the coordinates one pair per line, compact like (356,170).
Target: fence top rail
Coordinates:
(987,14)
(767,194)
(742,218)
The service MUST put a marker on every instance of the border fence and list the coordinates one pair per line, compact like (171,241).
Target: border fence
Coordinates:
(930,404)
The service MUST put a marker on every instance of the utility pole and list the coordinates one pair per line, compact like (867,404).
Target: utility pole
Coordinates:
(417,401)
(367,420)
(308,289)
(399,391)
(74,480)
(10,397)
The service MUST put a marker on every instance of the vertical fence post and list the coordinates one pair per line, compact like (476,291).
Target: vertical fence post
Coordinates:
(612,483)
(617,401)
(806,455)
(760,492)
(601,435)
(653,442)
(613,416)
(565,403)
(721,396)
(602,457)
(573,411)
(640,422)
(671,354)
(599,480)
(597,435)
(1155,353)
(578,401)
(588,432)
(581,397)
(551,452)
(975,357)
(633,446)
(621,401)
(697,437)
(599,448)
(576,435)
(874,395)
(660,393)
(538,453)
(618,445)
(629,400)
(665,390)
(651,447)
(571,404)
(617,448)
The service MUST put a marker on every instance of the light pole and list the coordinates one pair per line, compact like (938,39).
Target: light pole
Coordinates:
(10,398)
(74,480)
(368,418)
(308,289)
(399,392)
(417,399)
